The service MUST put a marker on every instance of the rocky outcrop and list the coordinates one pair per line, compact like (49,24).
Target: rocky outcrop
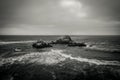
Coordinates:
(66,40)
(41,44)
(77,44)
(63,40)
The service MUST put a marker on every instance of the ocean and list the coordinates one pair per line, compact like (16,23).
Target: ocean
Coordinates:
(100,59)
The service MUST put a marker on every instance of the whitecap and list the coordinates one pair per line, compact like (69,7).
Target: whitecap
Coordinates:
(53,57)
(13,42)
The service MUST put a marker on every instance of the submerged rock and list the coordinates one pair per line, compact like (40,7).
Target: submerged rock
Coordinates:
(17,50)
(41,44)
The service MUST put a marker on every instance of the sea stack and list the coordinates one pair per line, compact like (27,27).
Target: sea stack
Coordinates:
(68,41)
(41,44)
(63,40)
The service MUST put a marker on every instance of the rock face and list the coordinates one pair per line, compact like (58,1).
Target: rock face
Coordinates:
(68,41)
(41,44)
(63,40)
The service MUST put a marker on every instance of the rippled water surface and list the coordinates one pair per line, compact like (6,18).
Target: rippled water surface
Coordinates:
(99,60)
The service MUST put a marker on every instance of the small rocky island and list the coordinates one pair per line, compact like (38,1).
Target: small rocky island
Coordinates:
(41,44)
(65,40)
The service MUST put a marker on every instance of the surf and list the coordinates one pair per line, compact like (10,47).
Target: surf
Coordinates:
(52,57)
(14,42)
(104,49)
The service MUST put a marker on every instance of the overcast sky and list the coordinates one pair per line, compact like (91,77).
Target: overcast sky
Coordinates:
(59,17)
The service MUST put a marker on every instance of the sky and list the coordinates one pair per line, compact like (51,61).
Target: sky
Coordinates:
(59,17)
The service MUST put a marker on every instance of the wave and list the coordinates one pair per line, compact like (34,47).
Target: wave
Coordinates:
(50,57)
(93,61)
(13,42)
(53,57)
(94,47)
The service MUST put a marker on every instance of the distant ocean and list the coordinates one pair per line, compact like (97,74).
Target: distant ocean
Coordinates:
(105,43)
(100,51)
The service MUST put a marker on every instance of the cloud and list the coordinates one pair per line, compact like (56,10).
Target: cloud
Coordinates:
(74,6)
(26,29)
(59,16)
(105,9)
(71,3)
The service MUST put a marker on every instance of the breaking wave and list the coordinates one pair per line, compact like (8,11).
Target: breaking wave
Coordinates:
(94,47)
(13,42)
(53,57)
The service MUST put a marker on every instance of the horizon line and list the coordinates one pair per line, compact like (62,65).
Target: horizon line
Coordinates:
(59,35)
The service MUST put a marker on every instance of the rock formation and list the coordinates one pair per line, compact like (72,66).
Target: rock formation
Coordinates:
(66,40)
(63,40)
(77,44)
(41,44)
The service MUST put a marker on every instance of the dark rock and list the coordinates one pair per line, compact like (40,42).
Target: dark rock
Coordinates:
(53,42)
(63,40)
(67,40)
(41,44)
(77,44)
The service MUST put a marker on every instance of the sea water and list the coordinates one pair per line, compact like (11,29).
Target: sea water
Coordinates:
(101,53)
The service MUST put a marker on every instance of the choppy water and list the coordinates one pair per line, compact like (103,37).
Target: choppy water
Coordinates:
(53,57)
(98,47)
(105,43)
(100,51)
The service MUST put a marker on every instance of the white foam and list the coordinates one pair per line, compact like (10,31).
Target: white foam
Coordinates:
(53,57)
(13,42)
(94,47)
(93,61)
